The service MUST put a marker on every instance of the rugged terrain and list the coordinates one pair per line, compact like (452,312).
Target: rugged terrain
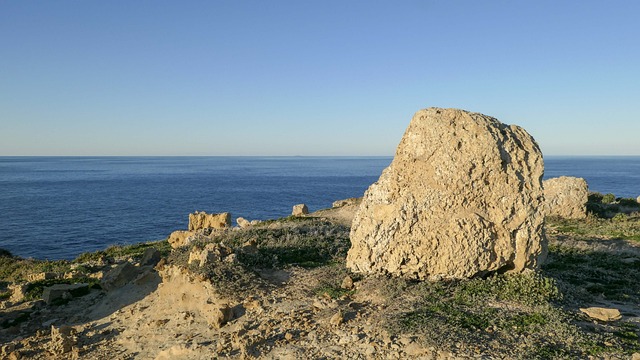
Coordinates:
(280,289)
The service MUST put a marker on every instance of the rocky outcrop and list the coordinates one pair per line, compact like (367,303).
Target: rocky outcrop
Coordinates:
(63,341)
(345,202)
(566,197)
(202,220)
(211,253)
(183,291)
(150,257)
(119,276)
(60,292)
(180,238)
(300,210)
(462,197)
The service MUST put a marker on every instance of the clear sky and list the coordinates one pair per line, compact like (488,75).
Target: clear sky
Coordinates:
(311,77)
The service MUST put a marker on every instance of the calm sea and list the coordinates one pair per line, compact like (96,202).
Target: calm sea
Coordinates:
(59,207)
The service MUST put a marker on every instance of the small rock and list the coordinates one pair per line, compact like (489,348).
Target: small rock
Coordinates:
(119,276)
(63,339)
(202,220)
(41,276)
(255,222)
(300,210)
(14,355)
(151,256)
(602,314)
(636,356)
(243,223)
(18,292)
(318,304)
(63,292)
(250,247)
(252,304)
(347,283)
(180,238)
(288,336)
(337,319)
(221,316)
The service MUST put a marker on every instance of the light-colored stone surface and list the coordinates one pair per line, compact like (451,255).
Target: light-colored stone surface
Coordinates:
(638,199)
(42,276)
(345,202)
(18,292)
(462,197)
(202,220)
(602,314)
(180,238)
(243,223)
(212,252)
(299,210)
(566,197)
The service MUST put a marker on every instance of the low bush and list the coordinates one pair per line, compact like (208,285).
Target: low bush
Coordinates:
(608,198)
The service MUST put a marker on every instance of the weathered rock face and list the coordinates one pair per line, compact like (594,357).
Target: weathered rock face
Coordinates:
(180,238)
(462,197)
(345,202)
(202,220)
(566,197)
(299,210)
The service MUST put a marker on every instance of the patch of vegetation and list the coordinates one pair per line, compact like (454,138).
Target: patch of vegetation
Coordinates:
(121,252)
(621,226)
(330,284)
(35,289)
(309,243)
(607,206)
(332,291)
(510,315)
(15,269)
(587,274)
(608,199)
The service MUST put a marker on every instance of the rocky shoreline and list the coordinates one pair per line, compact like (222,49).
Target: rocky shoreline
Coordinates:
(459,250)
(160,304)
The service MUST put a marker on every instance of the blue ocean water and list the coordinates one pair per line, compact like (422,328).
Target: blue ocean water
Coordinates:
(59,207)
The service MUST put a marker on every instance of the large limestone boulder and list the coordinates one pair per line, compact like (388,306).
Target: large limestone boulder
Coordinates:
(462,197)
(202,220)
(566,197)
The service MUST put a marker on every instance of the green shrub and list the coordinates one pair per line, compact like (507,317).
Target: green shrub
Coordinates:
(620,217)
(629,202)
(608,198)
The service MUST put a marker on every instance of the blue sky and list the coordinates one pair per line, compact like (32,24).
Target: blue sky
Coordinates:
(311,78)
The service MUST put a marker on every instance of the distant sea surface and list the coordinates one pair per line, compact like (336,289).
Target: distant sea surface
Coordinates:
(59,207)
